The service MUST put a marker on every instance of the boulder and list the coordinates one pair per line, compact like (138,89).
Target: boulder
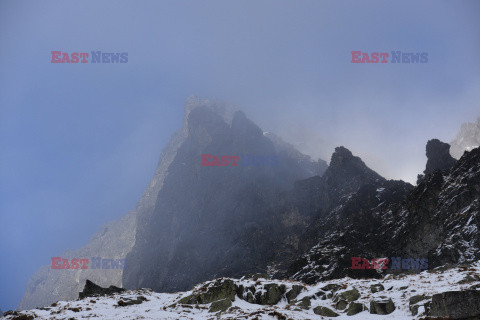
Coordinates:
(332,287)
(131,302)
(220,305)
(349,295)
(294,292)
(304,303)
(272,294)
(377,287)
(221,289)
(456,304)
(382,306)
(341,305)
(413,306)
(324,311)
(354,308)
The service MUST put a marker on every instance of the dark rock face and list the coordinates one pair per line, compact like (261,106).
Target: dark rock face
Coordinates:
(216,221)
(456,304)
(92,290)
(437,220)
(438,155)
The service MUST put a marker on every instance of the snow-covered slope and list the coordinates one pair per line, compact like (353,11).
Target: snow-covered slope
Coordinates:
(296,300)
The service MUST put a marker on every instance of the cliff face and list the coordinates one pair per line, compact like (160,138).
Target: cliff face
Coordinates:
(437,220)
(220,220)
(182,186)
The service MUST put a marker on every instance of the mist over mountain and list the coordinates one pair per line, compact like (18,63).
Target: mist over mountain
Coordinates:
(204,197)
(467,138)
(292,218)
(215,221)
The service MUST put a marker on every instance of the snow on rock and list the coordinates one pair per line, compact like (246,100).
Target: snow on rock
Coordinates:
(298,301)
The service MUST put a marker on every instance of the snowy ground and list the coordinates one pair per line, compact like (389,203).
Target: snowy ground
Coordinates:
(159,305)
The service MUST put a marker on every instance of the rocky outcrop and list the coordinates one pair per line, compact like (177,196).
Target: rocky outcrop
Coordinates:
(438,156)
(219,290)
(438,220)
(93,290)
(456,304)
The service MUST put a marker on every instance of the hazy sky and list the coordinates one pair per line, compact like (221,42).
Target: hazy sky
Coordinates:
(79,142)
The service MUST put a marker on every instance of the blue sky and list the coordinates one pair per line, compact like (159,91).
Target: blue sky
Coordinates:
(79,142)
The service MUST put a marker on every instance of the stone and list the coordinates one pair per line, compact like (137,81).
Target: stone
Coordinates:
(377,287)
(272,295)
(320,294)
(131,302)
(332,287)
(324,311)
(304,303)
(467,279)
(349,295)
(221,289)
(341,305)
(382,306)
(220,305)
(294,292)
(354,308)
(415,299)
(413,303)
(456,304)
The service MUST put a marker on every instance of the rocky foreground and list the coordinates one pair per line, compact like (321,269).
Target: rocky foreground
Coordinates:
(442,293)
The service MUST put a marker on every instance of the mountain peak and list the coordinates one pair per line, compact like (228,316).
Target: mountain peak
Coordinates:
(226,111)
(341,155)
(349,170)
